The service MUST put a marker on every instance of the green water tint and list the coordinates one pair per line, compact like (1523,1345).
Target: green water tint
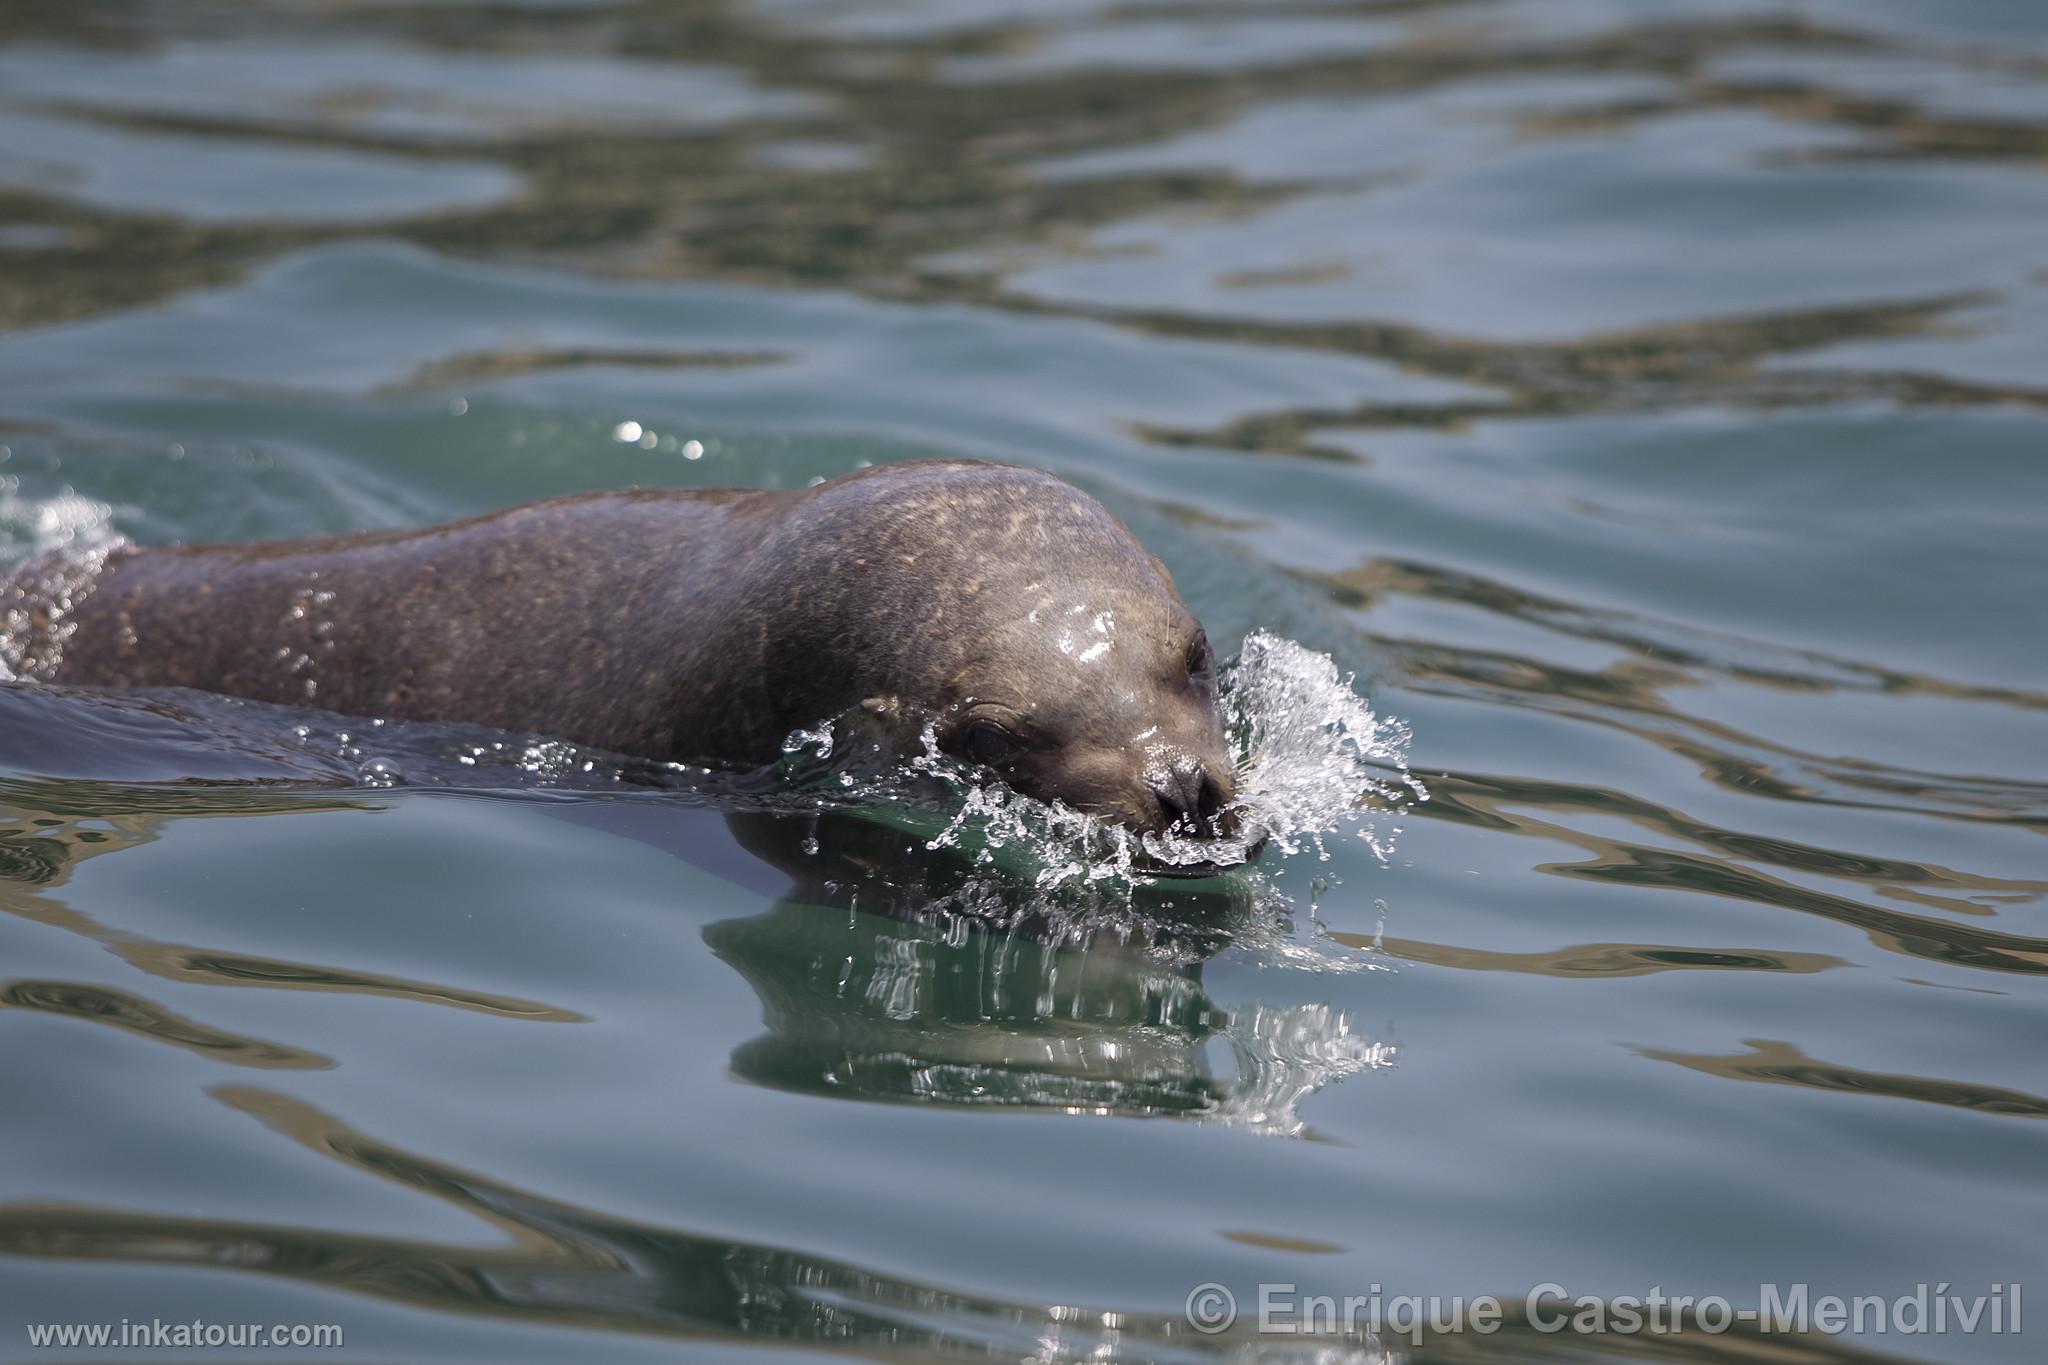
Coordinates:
(888,973)
(918,833)
(1644,403)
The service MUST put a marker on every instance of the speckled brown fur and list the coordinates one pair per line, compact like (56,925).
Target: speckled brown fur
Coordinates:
(706,625)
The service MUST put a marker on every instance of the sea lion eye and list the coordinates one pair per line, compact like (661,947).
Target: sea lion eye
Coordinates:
(1201,659)
(990,745)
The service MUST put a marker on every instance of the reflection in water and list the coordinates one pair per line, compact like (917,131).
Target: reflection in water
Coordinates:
(1778,1063)
(896,968)
(1633,695)
(47,828)
(1600,959)
(949,1010)
(1494,213)
(120,1009)
(1501,803)
(568,1266)
(951,165)
(1716,364)
(1684,651)
(888,974)
(882,976)
(1630,696)
(481,367)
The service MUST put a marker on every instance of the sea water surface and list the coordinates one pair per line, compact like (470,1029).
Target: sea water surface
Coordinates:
(1643,405)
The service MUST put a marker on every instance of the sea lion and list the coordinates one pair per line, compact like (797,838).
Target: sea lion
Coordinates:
(701,626)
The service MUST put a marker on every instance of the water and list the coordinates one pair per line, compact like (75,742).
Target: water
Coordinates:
(1645,404)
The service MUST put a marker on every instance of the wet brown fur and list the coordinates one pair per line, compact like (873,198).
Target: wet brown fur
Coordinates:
(702,625)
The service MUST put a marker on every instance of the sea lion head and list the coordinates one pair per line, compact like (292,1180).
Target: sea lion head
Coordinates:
(1050,646)
(1099,690)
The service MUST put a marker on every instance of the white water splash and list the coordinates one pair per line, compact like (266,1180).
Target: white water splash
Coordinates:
(67,539)
(1312,758)
(1285,1054)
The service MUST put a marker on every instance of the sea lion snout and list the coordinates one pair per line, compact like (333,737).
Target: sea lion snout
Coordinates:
(1188,796)
(1184,787)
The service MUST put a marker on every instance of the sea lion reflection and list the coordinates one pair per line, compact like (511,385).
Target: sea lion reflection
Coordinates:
(877,984)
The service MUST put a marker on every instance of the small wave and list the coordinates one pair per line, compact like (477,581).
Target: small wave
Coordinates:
(1313,759)
(1312,756)
(385,753)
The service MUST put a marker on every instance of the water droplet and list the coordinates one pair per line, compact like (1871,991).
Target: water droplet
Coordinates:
(626,432)
(379,772)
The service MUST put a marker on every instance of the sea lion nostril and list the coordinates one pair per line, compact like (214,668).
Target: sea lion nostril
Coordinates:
(1188,796)
(1173,804)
